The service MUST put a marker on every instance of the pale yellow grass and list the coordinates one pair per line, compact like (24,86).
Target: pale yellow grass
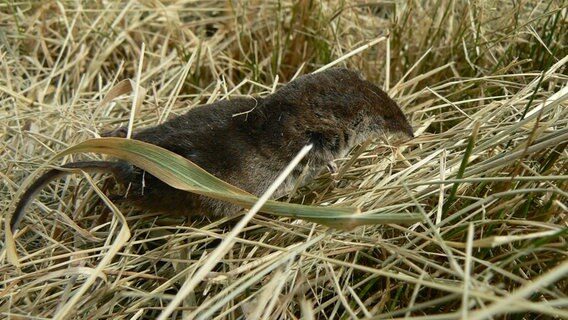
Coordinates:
(484,84)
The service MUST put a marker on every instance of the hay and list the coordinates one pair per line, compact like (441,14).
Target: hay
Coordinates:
(484,83)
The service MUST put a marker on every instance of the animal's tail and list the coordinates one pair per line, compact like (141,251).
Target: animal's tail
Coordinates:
(114,167)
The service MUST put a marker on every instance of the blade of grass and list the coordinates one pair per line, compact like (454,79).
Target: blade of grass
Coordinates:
(463,166)
(183,174)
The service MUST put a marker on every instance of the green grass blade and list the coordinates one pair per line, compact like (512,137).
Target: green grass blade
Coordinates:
(183,174)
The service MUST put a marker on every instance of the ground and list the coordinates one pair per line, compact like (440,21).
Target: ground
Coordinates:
(482,82)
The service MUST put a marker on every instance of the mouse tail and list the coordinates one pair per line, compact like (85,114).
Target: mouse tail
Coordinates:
(114,167)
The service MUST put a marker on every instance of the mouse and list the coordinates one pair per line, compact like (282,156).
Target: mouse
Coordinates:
(247,141)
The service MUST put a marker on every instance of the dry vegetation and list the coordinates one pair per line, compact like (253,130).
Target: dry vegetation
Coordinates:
(484,83)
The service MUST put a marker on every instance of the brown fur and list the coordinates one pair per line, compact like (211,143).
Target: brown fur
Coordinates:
(248,141)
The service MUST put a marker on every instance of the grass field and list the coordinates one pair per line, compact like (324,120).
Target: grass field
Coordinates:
(484,84)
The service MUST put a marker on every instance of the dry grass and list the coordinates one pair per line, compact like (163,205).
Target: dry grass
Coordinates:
(484,83)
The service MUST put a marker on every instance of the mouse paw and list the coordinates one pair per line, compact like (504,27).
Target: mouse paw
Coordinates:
(331,167)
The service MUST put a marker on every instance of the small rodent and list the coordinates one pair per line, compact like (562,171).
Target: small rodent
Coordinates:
(248,141)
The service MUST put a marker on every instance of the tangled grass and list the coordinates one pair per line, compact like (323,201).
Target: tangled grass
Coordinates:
(483,82)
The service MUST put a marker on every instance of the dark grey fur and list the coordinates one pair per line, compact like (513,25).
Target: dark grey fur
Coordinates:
(248,141)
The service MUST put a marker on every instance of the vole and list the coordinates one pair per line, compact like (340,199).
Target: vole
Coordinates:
(248,141)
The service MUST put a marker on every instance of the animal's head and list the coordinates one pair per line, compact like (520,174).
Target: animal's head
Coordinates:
(342,96)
